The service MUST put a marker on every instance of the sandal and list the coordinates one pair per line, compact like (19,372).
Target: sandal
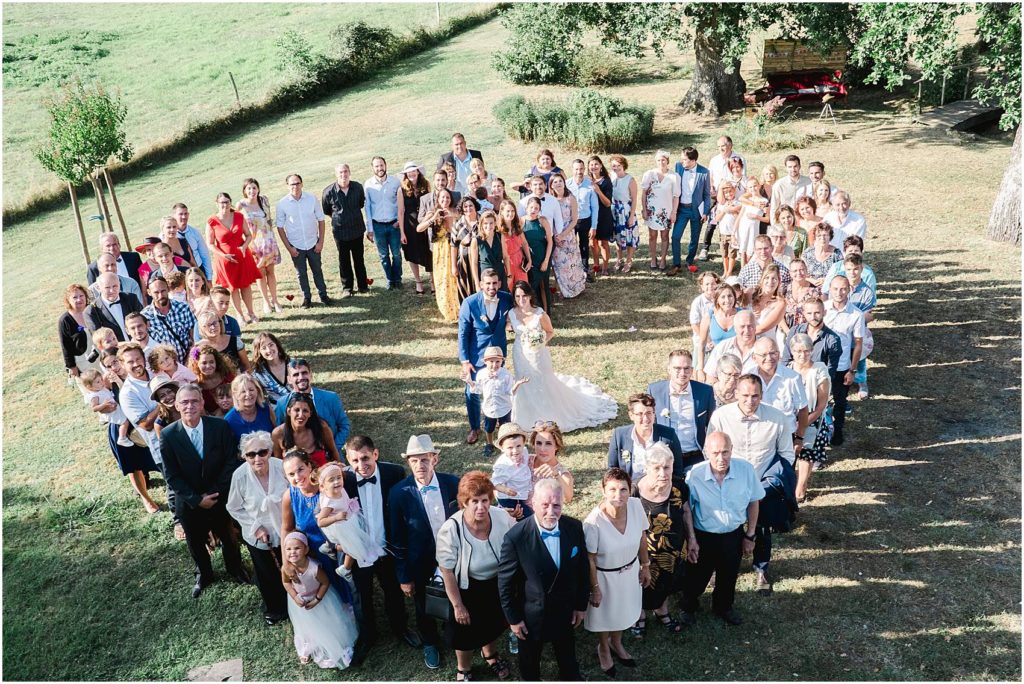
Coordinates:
(640,628)
(499,666)
(670,623)
(627,268)
(463,675)
(179,532)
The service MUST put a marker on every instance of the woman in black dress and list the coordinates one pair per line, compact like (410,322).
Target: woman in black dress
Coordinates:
(603,229)
(417,245)
(670,537)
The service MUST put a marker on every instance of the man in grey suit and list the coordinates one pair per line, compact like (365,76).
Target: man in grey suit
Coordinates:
(694,206)
(200,454)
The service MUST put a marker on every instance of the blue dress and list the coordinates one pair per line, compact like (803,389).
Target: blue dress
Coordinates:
(240,426)
(717,333)
(304,511)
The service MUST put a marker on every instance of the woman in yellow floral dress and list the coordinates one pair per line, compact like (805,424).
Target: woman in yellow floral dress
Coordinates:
(670,537)
(440,222)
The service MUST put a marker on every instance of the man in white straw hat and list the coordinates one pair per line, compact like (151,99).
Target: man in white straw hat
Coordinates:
(419,506)
(495,385)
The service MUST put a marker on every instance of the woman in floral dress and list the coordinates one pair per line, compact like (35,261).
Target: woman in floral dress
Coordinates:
(566,260)
(627,228)
(256,209)
(661,188)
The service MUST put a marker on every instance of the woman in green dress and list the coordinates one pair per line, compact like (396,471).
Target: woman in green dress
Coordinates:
(537,231)
(486,250)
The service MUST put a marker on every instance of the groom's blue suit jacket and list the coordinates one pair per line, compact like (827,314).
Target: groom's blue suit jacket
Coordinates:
(477,332)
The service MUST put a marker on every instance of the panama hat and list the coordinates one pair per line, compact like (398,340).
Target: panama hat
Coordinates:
(493,353)
(158,383)
(410,165)
(419,445)
(509,430)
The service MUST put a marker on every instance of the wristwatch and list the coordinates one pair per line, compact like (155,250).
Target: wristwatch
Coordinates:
(750,537)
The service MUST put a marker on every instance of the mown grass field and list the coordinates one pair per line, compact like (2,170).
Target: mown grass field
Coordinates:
(905,563)
(169,61)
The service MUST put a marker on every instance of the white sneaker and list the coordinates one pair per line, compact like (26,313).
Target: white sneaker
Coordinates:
(266,308)
(345,574)
(863,393)
(277,308)
(703,256)
(125,442)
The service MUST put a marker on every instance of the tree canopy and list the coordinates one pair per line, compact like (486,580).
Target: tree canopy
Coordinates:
(86,131)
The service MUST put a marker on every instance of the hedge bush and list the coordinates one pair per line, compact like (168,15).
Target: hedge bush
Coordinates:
(598,66)
(587,121)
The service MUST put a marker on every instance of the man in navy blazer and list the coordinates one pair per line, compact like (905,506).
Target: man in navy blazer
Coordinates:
(460,157)
(371,481)
(419,505)
(328,404)
(544,583)
(694,206)
(200,454)
(629,443)
(684,405)
(128,263)
(481,325)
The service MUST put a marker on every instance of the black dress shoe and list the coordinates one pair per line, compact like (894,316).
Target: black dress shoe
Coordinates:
(687,619)
(359,653)
(731,617)
(610,672)
(198,588)
(242,577)
(271,620)
(306,303)
(326,300)
(412,638)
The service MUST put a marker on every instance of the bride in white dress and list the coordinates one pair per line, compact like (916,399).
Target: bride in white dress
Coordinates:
(572,402)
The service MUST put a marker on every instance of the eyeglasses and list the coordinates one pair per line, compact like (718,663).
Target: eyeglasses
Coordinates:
(254,454)
(771,354)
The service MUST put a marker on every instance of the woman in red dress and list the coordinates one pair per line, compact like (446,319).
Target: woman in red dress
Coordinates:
(234,267)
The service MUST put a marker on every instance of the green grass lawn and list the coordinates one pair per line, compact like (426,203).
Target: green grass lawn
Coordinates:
(905,563)
(170,63)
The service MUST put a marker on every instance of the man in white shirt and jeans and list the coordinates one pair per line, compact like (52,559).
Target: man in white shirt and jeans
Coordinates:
(847,321)
(382,220)
(300,223)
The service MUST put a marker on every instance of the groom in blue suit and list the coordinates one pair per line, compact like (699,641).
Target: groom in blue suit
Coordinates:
(688,415)
(694,206)
(482,319)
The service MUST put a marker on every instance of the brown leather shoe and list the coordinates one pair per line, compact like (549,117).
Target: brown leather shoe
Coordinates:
(674,271)
(472,437)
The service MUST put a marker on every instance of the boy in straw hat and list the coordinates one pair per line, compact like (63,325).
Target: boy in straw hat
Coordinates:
(495,385)
(512,474)
(419,505)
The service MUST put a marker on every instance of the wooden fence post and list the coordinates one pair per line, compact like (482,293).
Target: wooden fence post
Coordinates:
(117,207)
(78,222)
(103,203)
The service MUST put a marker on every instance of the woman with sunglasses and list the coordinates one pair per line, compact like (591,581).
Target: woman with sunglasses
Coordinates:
(254,501)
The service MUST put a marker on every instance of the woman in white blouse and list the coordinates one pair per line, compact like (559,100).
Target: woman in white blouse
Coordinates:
(255,502)
(468,551)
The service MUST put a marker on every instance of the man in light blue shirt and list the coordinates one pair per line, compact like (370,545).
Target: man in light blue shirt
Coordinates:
(851,245)
(194,239)
(382,220)
(583,190)
(724,493)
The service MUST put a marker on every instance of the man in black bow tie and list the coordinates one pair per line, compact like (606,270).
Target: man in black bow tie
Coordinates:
(544,557)
(371,480)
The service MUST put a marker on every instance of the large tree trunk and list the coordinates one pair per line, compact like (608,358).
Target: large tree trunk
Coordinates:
(1004,222)
(713,91)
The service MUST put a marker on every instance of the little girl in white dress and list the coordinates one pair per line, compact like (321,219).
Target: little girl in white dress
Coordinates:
(343,522)
(325,628)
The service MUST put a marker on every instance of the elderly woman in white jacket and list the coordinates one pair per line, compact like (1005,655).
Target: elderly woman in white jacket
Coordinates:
(255,502)
(468,551)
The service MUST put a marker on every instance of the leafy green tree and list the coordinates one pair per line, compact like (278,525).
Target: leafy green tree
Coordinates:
(999,31)
(86,132)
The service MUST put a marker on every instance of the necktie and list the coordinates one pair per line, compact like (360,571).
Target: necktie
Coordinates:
(197,442)
(372,480)
(426,488)
(544,535)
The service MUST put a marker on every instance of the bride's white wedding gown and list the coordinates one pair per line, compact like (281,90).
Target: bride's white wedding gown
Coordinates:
(572,402)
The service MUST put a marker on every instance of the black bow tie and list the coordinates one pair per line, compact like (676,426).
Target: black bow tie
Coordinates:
(372,480)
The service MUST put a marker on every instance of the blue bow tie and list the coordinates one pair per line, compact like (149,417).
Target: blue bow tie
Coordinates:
(544,535)
(426,488)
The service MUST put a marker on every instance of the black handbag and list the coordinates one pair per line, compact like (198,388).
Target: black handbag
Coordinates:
(437,604)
